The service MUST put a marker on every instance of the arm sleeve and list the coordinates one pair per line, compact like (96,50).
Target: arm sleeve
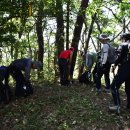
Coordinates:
(105,53)
(28,70)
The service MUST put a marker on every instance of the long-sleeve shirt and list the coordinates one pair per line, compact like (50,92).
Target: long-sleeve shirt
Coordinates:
(104,53)
(24,65)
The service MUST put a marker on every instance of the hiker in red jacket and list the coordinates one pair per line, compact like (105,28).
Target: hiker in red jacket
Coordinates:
(65,60)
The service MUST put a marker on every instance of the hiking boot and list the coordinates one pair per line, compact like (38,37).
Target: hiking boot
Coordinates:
(114,108)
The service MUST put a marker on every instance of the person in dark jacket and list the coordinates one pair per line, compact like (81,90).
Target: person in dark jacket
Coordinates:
(64,61)
(23,85)
(26,64)
(123,72)
(5,91)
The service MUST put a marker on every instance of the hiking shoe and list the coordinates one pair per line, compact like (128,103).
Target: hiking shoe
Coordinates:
(114,108)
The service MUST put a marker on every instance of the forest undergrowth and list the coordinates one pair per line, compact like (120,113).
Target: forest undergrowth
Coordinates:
(55,107)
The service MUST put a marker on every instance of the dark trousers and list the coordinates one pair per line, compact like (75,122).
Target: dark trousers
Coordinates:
(5,93)
(100,72)
(63,68)
(123,76)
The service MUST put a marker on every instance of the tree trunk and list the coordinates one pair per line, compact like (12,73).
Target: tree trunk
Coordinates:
(100,31)
(39,30)
(87,43)
(67,24)
(124,26)
(77,32)
(89,32)
(60,27)
(59,34)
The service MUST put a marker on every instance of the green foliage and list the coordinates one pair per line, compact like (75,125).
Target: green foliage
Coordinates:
(18,31)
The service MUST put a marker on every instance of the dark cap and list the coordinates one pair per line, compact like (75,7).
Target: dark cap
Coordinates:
(38,64)
(125,36)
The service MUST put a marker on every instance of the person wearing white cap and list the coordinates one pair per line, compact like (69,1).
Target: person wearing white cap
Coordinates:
(103,66)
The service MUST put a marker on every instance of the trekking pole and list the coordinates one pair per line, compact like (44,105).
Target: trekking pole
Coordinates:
(118,106)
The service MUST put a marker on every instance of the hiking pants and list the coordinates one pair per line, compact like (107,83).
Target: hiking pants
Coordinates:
(99,74)
(63,68)
(123,76)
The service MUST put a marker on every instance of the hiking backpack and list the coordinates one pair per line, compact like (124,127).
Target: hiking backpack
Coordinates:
(85,77)
(112,56)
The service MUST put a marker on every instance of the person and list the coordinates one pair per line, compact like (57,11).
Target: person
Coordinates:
(26,64)
(5,91)
(91,58)
(94,72)
(64,62)
(123,72)
(103,66)
(23,85)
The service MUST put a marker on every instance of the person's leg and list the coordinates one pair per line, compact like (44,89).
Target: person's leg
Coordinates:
(98,77)
(19,78)
(115,86)
(66,72)
(1,92)
(63,66)
(127,90)
(107,75)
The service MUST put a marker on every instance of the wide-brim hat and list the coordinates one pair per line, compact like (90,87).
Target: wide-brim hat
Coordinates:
(104,37)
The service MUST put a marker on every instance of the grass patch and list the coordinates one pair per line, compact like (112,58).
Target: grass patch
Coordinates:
(54,107)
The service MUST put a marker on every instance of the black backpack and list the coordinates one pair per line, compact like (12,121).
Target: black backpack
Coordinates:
(112,55)
(85,77)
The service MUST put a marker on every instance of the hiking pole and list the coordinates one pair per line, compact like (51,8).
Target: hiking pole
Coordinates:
(118,106)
